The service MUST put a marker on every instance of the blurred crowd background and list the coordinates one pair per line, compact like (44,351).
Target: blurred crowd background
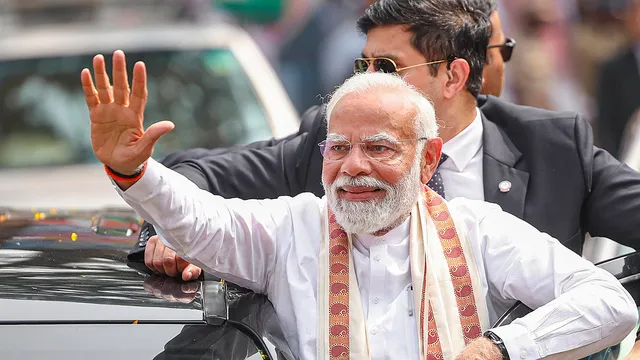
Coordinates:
(578,55)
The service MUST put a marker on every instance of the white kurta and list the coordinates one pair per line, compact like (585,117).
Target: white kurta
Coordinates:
(271,247)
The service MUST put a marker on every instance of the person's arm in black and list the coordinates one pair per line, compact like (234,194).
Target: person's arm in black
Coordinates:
(177,157)
(612,207)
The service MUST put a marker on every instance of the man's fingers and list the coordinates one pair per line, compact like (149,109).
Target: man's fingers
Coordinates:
(149,251)
(102,80)
(120,78)
(181,263)
(139,93)
(90,92)
(191,272)
(169,262)
(158,257)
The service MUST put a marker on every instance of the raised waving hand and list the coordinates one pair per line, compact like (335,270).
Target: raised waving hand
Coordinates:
(118,137)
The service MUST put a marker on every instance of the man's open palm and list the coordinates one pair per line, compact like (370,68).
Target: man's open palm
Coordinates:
(117,115)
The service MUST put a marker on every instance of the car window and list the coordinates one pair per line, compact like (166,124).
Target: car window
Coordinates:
(206,93)
(126,342)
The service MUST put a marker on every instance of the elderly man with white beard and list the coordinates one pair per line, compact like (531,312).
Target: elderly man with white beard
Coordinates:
(383,267)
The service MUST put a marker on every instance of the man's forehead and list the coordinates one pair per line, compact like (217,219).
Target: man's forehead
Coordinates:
(374,103)
(382,53)
(382,110)
(388,41)
(363,136)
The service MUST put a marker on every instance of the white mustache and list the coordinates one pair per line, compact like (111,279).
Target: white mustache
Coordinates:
(363,181)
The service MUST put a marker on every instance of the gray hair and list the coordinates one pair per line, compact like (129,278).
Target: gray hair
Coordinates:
(425,118)
(486,6)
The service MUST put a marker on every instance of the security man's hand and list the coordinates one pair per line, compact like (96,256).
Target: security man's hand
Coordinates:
(161,259)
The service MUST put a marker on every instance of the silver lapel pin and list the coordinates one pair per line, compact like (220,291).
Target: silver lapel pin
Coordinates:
(504,186)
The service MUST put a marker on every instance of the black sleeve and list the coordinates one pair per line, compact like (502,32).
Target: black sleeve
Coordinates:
(287,168)
(612,207)
(176,158)
(252,173)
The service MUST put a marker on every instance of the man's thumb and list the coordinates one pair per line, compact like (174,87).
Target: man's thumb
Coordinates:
(154,132)
(191,272)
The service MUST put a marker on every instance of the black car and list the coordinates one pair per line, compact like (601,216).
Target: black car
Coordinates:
(68,292)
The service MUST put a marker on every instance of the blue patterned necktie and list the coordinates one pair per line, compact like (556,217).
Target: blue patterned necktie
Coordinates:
(436,183)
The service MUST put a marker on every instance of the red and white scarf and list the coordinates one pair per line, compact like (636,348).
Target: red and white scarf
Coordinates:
(452,309)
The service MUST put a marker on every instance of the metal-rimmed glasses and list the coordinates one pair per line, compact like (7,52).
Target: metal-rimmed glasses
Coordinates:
(385,65)
(380,150)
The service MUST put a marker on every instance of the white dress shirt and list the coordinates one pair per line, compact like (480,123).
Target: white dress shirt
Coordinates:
(462,171)
(271,247)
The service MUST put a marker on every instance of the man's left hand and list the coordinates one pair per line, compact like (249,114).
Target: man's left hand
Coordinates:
(480,349)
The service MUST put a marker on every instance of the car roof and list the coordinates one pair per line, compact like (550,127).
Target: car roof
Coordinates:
(72,267)
(82,39)
(43,41)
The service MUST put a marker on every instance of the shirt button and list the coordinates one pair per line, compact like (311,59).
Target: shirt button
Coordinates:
(376,300)
(523,354)
(374,331)
(376,258)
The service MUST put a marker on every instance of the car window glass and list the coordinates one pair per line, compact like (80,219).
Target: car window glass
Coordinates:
(206,93)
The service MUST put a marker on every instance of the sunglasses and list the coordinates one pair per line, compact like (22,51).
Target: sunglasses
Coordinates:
(385,65)
(506,49)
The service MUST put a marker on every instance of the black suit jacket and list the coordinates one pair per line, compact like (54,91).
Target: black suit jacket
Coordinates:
(618,97)
(561,183)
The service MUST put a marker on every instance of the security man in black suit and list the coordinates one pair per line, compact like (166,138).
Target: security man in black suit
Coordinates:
(618,87)
(539,165)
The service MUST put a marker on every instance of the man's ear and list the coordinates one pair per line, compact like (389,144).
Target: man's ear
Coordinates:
(431,157)
(457,73)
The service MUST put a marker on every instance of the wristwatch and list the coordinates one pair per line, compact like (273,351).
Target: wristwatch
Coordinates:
(499,343)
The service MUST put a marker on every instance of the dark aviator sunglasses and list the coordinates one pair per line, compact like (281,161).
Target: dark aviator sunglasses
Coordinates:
(387,65)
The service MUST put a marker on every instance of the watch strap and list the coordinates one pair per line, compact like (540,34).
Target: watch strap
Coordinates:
(498,342)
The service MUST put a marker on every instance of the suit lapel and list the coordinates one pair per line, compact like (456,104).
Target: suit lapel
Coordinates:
(498,171)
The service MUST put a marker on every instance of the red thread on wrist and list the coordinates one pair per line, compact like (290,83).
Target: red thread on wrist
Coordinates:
(117,177)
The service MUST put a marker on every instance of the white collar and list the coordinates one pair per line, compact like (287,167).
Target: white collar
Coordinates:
(364,241)
(464,146)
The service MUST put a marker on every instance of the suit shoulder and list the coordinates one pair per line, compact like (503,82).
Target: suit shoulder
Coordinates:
(312,118)
(506,114)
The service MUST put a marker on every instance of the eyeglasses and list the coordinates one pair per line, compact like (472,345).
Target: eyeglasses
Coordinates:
(506,49)
(385,65)
(377,150)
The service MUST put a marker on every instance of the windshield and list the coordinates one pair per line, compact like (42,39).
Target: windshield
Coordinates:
(206,93)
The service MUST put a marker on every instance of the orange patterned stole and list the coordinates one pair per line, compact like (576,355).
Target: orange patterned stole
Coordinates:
(339,255)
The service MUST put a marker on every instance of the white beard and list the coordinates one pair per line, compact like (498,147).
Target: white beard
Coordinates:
(369,217)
